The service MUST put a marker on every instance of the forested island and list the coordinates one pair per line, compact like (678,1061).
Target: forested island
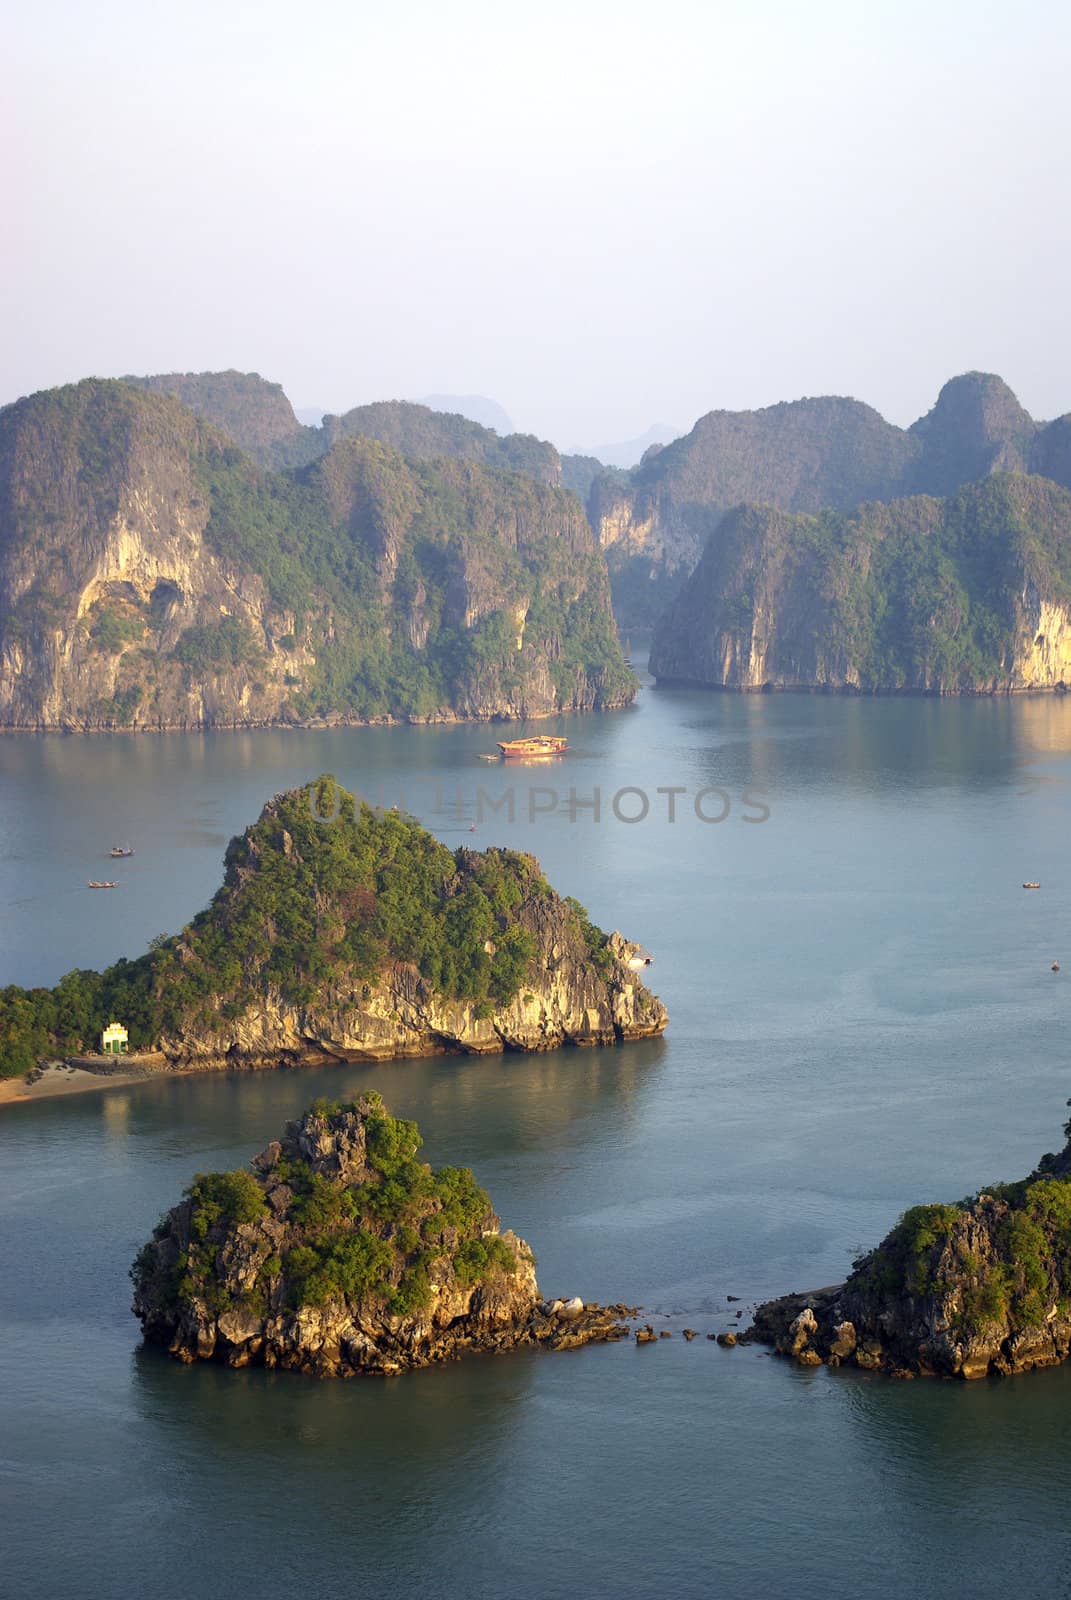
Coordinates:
(809,456)
(154,575)
(358,938)
(966,1290)
(970,594)
(340,1252)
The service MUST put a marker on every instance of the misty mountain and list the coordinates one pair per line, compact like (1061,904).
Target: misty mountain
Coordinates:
(476,407)
(254,413)
(630,452)
(804,456)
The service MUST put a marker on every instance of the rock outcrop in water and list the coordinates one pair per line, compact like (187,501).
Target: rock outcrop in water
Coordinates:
(966,595)
(340,1253)
(356,938)
(967,1290)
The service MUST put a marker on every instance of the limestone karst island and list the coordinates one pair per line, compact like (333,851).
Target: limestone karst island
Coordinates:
(969,1290)
(358,939)
(341,1253)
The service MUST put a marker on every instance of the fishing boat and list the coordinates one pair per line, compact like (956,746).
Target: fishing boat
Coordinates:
(1031,886)
(93,884)
(121,851)
(527,749)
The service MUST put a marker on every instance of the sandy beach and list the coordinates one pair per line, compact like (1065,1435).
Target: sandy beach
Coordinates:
(63,1080)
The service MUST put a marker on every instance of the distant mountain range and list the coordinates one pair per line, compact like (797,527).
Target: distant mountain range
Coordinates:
(476,407)
(630,452)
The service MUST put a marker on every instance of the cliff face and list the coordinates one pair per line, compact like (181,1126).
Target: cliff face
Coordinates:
(983,1287)
(564,999)
(805,457)
(342,932)
(153,576)
(969,594)
(341,1254)
(106,574)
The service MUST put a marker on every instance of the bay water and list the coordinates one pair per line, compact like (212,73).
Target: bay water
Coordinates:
(863,1017)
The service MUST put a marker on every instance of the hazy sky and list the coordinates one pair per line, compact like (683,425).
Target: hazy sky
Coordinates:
(602,215)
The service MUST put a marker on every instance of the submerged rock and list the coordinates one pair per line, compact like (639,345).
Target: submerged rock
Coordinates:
(339,1253)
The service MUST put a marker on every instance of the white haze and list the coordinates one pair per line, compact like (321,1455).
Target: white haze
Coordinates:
(598,214)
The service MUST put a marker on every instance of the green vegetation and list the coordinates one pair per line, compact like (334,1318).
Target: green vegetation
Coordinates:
(396,587)
(529,543)
(1025,1271)
(424,435)
(228,1197)
(255,413)
(598,947)
(112,630)
(215,646)
(379,1241)
(303,902)
(922,594)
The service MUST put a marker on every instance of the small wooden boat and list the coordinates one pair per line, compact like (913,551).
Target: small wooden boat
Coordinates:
(93,884)
(1031,886)
(120,852)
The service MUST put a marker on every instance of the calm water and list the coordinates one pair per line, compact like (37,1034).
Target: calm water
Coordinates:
(863,1016)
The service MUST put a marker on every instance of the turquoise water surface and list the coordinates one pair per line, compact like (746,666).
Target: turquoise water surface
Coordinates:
(863,1016)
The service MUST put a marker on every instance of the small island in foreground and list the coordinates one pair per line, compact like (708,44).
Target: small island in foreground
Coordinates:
(967,1290)
(346,933)
(340,1253)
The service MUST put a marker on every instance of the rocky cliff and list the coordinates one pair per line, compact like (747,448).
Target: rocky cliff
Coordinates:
(981,1287)
(805,456)
(340,1253)
(359,937)
(151,575)
(971,594)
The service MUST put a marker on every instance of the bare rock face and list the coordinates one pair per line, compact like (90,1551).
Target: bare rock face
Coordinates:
(964,1291)
(340,1253)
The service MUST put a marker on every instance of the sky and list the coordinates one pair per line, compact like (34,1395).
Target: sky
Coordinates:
(602,215)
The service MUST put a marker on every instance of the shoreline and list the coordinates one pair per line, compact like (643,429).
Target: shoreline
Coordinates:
(315,724)
(58,1081)
(857,692)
